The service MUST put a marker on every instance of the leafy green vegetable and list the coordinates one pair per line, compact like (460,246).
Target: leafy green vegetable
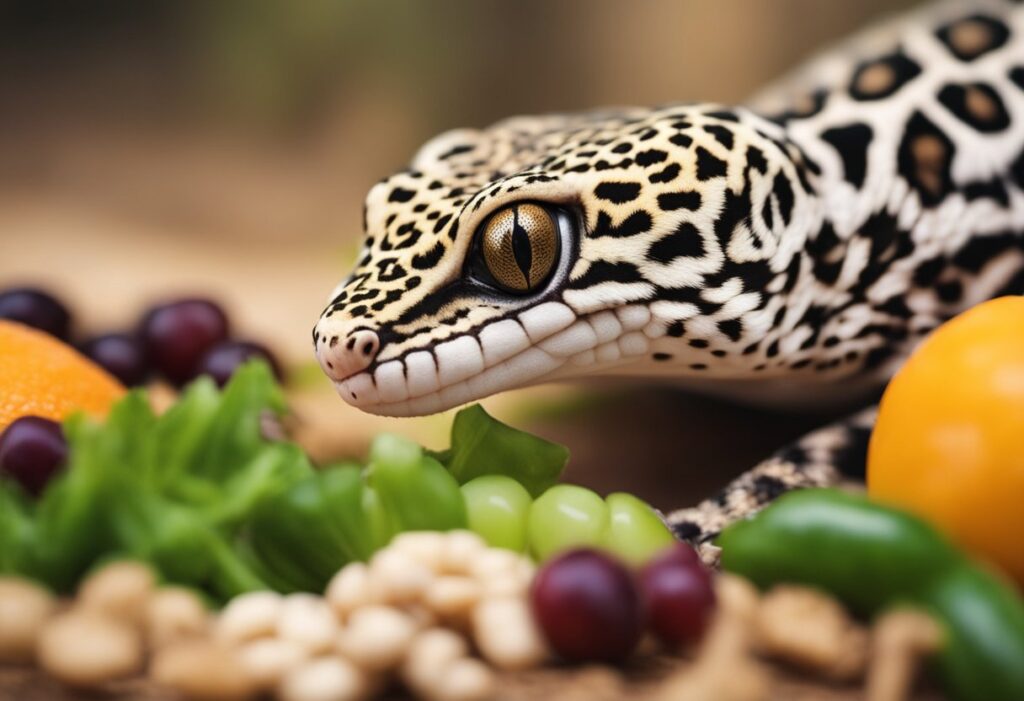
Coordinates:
(482,445)
(174,490)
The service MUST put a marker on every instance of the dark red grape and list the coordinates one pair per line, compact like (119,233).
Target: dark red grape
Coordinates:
(32,450)
(177,335)
(587,606)
(678,595)
(120,354)
(221,361)
(35,308)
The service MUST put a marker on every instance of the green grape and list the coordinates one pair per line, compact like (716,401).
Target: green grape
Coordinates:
(564,517)
(635,532)
(396,451)
(497,507)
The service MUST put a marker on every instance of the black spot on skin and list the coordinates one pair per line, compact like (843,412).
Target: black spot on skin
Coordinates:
(950,292)
(661,357)
(851,143)
(852,458)
(772,350)
(991,189)
(928,271)
(896,306)
(756,160)
(784,194)
(980,250)
(877,356)
(650,157)
(719,353)
(902,71)
(926,164)
(687,199)
(670,173)
(400,194)
(997,36)
(957,99)
(722,134)
(708,166)
(723,115)
(1017,76)
(682,140)
(624,147)
(675,329)
(358,310)
(602,271)
(698,366)
(636,223)
(428,260)
(801,364)
(441,223)
(793,454)
(767,488)
(698,343)
(455,151)
(688,531)
(732,328)
(684,241)
(619,193)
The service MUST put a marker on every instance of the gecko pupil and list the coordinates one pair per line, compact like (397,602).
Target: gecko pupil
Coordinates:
(521,248)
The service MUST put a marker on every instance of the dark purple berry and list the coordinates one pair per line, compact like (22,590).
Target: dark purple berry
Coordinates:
(120,354)
(32,450)
(221,361)
(35,308)
(587,606)
(678,594)
(176,336)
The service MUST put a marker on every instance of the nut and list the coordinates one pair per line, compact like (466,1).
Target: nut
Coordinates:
(399,577)
(203,670)
(350,589)
(120,589)
(461,549)
(465,679)
(267,661)
(901,638)
(309,621)
(324,679)
(87,648)
(24,608)
(453,597)
(249,616)
(429,655)
(811,630)
(377,637)
(507,635)
(174,613)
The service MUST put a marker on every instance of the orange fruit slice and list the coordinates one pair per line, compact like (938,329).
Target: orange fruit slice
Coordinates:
(41,376)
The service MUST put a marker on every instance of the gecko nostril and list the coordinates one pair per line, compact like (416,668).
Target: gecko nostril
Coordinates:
(334,341)
(367,347)
(351,343)
(330,364)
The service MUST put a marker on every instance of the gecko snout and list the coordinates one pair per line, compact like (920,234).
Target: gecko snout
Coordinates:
(342,355)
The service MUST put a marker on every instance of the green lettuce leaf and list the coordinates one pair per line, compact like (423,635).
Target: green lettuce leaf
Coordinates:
(482,445)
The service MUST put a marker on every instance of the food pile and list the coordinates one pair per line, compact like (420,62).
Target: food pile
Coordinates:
(190,546)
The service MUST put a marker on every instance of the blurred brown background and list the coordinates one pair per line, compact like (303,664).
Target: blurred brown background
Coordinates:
(153,148)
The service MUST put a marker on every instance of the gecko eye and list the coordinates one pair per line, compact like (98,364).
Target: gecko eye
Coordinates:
(519,246)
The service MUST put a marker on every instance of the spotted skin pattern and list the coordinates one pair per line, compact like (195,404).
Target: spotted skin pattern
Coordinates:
(789,252)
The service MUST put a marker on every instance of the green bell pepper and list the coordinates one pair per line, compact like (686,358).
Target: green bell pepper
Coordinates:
(873,557)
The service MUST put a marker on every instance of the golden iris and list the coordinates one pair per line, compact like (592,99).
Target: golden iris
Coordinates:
(520,246)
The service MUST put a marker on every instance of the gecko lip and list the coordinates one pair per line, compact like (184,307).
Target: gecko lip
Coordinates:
(544,343)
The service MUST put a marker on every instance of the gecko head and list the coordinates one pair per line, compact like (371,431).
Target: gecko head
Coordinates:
(549,248)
